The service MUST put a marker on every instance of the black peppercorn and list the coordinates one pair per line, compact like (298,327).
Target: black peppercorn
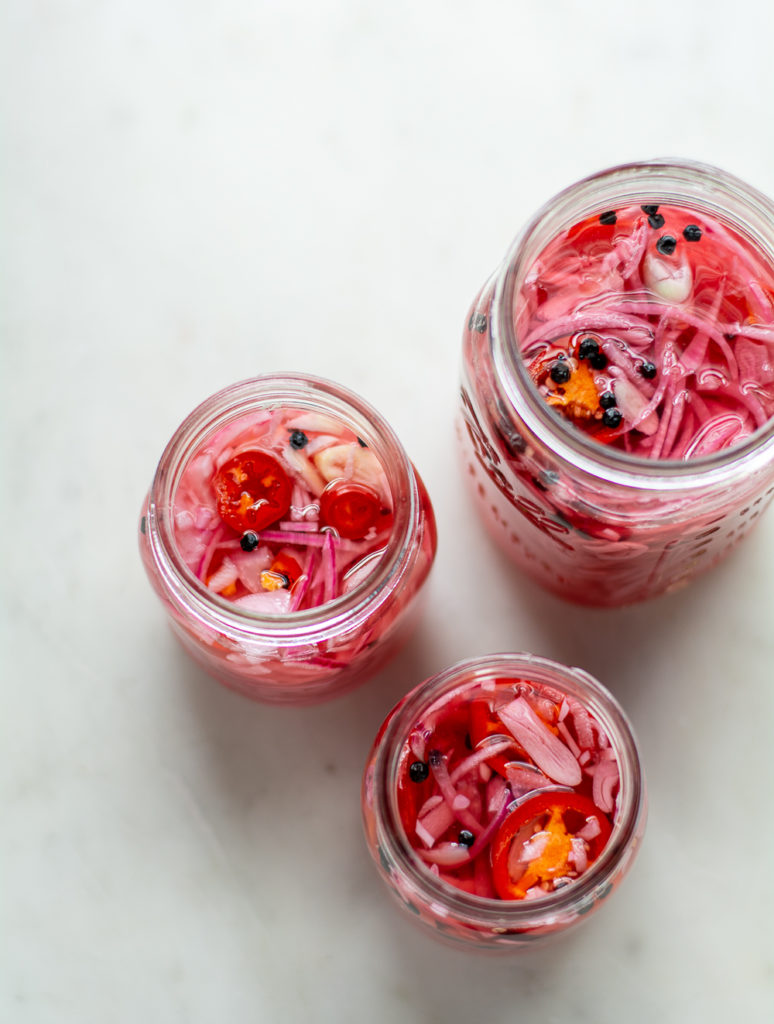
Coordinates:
(598,361)
(560,372)
(648,370)
(666,245)
(249,541)
(466,837)
(607,400)
(608,218)
(656,220)
(298,439)
(650,209)
(361,442)
(612,418)
(418,771)
(692,232)
(587,348)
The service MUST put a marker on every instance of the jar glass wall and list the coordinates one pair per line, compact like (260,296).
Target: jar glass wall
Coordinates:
(288,537)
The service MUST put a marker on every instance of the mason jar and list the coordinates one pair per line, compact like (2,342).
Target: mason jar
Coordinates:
(503,801)
(288,537)
(649,454)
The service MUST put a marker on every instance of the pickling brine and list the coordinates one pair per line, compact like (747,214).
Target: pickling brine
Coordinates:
(618,382)
(288,536)
(283,510)
(651,329)
(507,793)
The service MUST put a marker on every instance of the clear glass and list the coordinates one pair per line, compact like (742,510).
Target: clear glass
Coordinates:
(315,653)
(591,523)
(463,918)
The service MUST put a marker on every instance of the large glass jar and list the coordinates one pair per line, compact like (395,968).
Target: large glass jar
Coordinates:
(288,537)
(503,801)
(594,522)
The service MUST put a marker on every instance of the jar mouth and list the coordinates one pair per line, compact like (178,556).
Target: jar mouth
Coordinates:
(599,701)
(273,391)
(690,184)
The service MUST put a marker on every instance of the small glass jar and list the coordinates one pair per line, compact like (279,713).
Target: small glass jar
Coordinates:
(446,710)
(300,656)
(592,523)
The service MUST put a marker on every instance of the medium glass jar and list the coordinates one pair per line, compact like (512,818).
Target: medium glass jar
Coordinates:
(291,604)
(594,522)
(503,801)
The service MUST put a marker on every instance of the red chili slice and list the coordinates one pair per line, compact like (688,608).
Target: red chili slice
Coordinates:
(350,508)
(252,490)
(561,814)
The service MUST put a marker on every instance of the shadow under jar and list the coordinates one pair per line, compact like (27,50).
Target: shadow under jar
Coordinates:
(503,801)
(618,382)
(288,537)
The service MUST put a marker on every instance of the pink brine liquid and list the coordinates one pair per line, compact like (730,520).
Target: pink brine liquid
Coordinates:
(507,789)
(651,328)
(282,511)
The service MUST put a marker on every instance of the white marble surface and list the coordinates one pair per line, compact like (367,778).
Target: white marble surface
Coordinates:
(197,192)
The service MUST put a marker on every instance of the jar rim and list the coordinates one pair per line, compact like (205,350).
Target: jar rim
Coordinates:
(275,390)
(692,183)
(486,911)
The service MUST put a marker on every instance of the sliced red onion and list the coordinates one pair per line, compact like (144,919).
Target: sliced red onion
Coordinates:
(534,847)
(300,464)
(269,602)
(590,830)
(318,443)
(299,526)
(250,565)
(579,854)
(447,855)
(497,795)
(632,404)
(564,732)
(547,751)
(329,568)
(217,538)
(432,824)
(604,782)
(481,755)
(524,779)
(361,570)
(441,773)
(303,584)
(226,575)
(582,723)
(418,742)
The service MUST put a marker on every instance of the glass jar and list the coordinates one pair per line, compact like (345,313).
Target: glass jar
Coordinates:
(445,713)
(592,523)
(306,655)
